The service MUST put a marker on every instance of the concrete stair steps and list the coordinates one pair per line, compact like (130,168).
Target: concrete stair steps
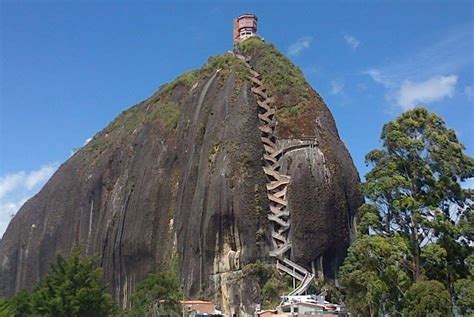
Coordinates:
(259,92)
(281,222)
(276,209)
(280,193)
(255,80)
(280,251)
(275,174)
(264,118)
(269,158)
(263,105)
(277,200)
(279,237)
(289,271)
(267,141)
(265,129)
(277,184)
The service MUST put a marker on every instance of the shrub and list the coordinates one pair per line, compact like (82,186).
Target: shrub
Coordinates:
(73,287)
(427,298)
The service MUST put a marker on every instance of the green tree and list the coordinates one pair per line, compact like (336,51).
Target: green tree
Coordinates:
(427,299)
(413,193)
(18,306)
(73,287)
(414,188)
(374,276)
(158,293)
(464,290)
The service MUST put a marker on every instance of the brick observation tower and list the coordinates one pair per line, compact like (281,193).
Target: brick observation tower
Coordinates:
(245,26)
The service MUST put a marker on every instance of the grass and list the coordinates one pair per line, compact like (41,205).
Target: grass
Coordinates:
(167,114)
(213,151)
(225,62)
(187,79)
(283,79)
(164,106)
(277,70)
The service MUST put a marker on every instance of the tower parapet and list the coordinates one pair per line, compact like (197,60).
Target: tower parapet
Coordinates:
(245,26)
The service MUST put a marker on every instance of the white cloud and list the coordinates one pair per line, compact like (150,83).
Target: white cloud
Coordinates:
(447,55)
(414,77)
(73,151)
(40,176)
(301,44)
(378,77)
(7,211)
(351,41)
(17,188)
(436,88)
(469,92)
(10,182)
(336,87)
(24,180)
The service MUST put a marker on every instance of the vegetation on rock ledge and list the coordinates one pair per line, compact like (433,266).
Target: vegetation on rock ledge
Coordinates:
(272,284)
(283,79)
(163,107)
(158,293)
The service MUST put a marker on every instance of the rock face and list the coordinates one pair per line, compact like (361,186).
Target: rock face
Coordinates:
(180,175)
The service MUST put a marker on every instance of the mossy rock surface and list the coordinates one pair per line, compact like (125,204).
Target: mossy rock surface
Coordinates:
(164,107)
(294,98)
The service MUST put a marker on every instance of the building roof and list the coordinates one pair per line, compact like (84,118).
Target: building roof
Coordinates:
(303,303)
(267,311)
(247,15)
(191,302)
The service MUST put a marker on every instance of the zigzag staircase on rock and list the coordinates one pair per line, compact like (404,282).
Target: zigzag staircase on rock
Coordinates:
(276,186)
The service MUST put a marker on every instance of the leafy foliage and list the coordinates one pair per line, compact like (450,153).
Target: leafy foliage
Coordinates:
(413,193)
(464,290)
(282,75)
(273,288)
(168,114)
(283,80)
(414,185)
(272,284)
(374,274)
(427,298)
(163,107)
(158,293)
(73,287)
(18,306)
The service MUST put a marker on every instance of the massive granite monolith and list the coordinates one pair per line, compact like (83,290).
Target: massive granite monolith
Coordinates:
(179,175)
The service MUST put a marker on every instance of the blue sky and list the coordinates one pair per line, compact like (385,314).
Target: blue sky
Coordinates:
(69,67)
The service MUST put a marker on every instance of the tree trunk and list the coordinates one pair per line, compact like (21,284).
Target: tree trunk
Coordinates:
(416,249)
(416,274)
